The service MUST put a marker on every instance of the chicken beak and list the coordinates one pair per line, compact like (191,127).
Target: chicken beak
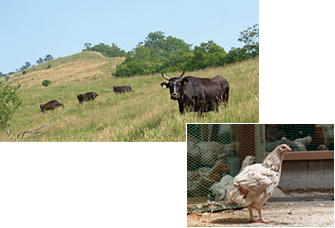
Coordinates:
(288,148)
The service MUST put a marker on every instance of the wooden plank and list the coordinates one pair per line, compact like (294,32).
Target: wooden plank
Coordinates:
(309,155)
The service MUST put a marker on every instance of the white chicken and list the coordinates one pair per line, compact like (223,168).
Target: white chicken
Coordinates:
(256,183)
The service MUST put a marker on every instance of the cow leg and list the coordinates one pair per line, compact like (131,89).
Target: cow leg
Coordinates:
(202,108)
(181,107)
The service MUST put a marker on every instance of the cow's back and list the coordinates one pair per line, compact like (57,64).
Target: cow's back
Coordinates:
(50,105)
(208,90)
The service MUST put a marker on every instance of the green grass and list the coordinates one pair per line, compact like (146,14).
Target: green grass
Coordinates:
(146,115)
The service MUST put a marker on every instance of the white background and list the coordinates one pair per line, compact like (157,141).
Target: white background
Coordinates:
(144,184)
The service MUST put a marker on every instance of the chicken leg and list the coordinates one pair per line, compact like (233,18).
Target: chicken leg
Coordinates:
(251,215)
(261,217)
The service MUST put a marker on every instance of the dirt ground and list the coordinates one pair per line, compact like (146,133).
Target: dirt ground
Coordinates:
(287,214)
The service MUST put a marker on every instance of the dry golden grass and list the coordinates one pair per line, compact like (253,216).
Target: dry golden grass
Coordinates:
(81,70)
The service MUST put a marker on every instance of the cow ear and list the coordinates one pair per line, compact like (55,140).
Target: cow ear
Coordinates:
(184,81)
(164,84)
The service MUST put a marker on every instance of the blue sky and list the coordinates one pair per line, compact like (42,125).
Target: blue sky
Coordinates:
(33,29)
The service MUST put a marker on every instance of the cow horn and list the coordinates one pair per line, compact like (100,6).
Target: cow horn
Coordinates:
(182,74)
(165,77)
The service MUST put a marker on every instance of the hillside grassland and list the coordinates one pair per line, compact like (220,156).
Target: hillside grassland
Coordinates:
(146,115)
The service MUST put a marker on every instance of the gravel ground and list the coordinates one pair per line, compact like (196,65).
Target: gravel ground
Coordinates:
(288,214)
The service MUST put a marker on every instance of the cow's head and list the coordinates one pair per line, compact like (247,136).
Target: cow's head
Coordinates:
(94,95)
(175,85)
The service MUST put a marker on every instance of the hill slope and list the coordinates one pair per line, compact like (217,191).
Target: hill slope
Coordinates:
(148,114)
(82,67)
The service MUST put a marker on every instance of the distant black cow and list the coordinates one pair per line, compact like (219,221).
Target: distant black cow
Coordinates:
(50,105)
(122,89)
(197,94)
(87,97)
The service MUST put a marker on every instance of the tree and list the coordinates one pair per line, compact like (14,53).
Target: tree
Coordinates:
(250,38)
(87,45)
(48,58)
(115,51)
(208,55)
(40,60)
(155,39)
(25,66)
(237,54)
(9,102)
(108,51)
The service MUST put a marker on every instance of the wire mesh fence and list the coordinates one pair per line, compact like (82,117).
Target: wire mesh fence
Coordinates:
(216,153)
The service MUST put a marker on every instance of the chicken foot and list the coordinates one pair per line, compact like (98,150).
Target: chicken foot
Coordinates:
(261,217)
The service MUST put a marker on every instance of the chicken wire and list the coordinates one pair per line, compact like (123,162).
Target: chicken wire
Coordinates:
(217,152)
(215,155)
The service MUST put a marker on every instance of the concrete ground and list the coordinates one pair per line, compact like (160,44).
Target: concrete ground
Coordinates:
(286,214)
(302,208)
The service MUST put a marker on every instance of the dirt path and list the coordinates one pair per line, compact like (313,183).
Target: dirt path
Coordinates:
(288,214)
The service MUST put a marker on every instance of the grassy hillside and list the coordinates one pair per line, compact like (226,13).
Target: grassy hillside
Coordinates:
(82,67)
(148,114)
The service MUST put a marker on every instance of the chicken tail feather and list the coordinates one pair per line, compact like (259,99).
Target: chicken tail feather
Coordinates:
(236,194)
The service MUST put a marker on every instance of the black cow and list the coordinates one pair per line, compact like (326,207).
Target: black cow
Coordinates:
(122,89)
(87,97)
(50,105)
(197,94)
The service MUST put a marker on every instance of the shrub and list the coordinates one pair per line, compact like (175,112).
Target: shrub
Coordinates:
(9,102)
(46,83)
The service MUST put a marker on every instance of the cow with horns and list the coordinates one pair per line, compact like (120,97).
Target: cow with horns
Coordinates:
(197,94)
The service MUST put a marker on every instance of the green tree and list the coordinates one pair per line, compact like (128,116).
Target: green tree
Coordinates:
(87,45)
(25,66)
(48,58)
(40,60)
(108,51)
(208,54)
(250,37)
(155,40)
(9,102)
(236,54)
(115,51)
(155,54)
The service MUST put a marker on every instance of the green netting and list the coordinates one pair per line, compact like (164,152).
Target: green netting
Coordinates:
(217,152)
